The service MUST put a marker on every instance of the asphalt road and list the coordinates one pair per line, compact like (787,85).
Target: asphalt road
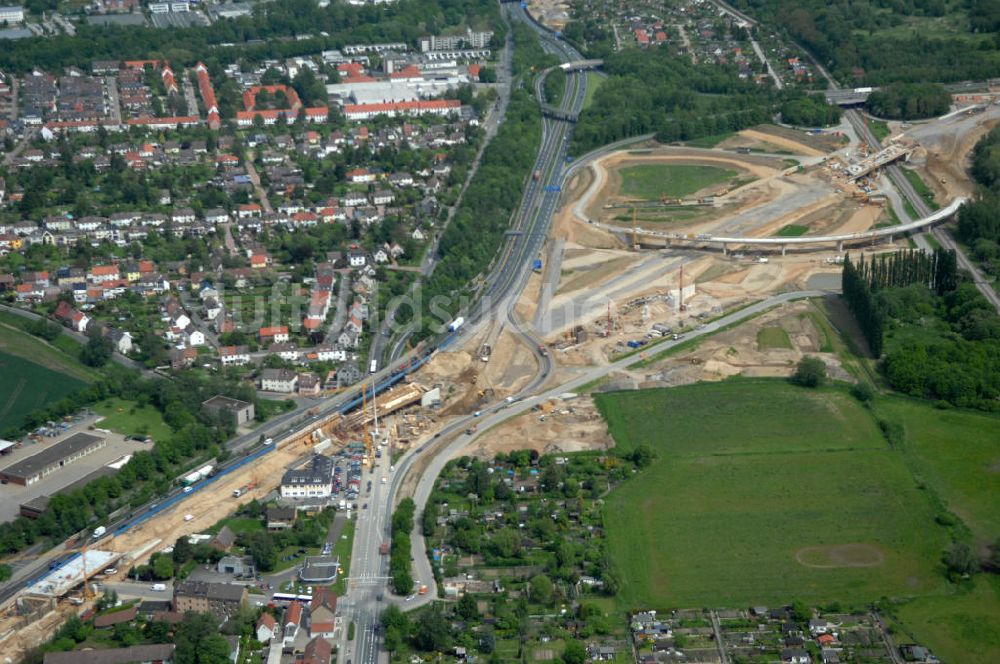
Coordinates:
(451,440)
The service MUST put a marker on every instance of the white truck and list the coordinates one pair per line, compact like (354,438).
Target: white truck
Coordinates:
(99,532)
(455,324)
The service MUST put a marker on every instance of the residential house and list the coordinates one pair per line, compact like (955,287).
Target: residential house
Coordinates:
(234,356)
(156,653)
(291,622)
(314,480)
(276,334)
(279,380)
(266,627)
(281,518)
(323,612)
(220,599)
(309,383)
(317,651)
(223,540)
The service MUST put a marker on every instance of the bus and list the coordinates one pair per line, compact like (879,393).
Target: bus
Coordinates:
(373,368)
(290,597)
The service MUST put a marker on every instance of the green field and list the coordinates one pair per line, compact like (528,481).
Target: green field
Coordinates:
(651,181)
(964,627)
(958,453)
(792,230)
(762,492)
(127,418)
(53,356)
(879,128)
(707,141)
(27,386)
(594,81)
(921,188)
(772,337)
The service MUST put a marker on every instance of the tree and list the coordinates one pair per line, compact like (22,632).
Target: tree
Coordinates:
(433,631)
(183,551)
(97,352)
(961,560)
(163,567)
(541,589)
(574,653)
(198,640)
(810,372)
(466,607)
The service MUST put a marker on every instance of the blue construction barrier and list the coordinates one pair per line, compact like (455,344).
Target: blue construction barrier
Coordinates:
(173,500)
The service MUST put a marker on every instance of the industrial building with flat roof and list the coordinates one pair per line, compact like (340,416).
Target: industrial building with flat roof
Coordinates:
(241,412)
(51,459)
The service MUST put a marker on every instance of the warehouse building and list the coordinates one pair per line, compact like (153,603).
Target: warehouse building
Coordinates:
(51,459)
(241,412)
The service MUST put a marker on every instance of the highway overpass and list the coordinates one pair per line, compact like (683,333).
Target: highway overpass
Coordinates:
(782,243)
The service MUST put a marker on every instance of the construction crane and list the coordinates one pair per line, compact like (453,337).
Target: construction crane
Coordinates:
(366,433)
(635,236)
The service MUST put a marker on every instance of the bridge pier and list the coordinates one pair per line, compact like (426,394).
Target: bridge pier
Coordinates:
(783,247)
(840,246)
(890,238)
(725,249)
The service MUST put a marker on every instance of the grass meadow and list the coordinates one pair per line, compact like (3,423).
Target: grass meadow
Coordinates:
(761,493)
(651,181)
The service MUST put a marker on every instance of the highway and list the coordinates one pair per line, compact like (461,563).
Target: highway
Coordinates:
(506,278)
(898,179)
(452,439)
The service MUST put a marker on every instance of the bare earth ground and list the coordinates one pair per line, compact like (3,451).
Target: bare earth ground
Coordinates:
(571,426)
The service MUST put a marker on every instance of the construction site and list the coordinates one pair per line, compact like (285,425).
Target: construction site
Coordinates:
(31,617)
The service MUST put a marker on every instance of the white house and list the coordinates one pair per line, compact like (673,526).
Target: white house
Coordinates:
(279,380)
(231,356)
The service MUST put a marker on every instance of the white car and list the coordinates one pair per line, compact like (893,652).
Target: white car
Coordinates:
(383,479)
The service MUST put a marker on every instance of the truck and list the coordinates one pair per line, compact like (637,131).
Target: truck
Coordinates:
(471,430)
(455,324)
(383,548)
(537,267)
(99,532)
(423,590)
(543,350)
(239,492)
(200,474)
(536,176)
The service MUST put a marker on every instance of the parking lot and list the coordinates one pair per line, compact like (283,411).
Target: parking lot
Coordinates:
(12,495)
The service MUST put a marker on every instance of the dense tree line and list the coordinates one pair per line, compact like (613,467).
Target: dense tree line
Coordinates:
(909,101)
(399,552)
(195,435)
(938,338)
(979,219)
(269,33)
(866,43)
(809,111)
(476,230)
(657,92)
(861,302)
(862,281)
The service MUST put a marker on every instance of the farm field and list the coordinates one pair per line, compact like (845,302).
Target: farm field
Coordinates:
(27,386)
(15,341)
(651,181)
(762,492)
(130,419)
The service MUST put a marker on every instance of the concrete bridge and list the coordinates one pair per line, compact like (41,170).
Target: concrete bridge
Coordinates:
(782,243)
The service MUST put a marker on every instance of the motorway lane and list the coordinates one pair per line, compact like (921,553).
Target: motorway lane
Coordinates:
(368,568)
(896,176)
